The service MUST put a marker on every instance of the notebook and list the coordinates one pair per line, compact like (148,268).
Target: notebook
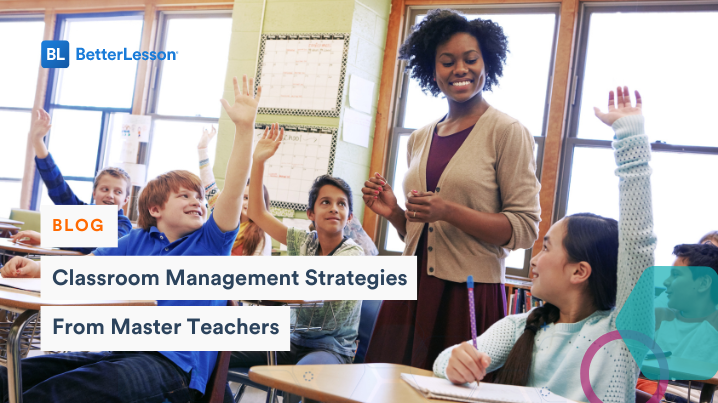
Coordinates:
(443,389)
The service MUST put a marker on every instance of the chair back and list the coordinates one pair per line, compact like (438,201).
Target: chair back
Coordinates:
(30,218)
(369,313)
(214,392)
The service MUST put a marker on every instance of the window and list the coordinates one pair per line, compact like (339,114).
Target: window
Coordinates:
(678,107)
(83,97)
(18,81)
(181,108)
(523,93)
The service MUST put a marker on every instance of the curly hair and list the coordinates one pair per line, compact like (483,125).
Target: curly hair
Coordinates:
(438,27)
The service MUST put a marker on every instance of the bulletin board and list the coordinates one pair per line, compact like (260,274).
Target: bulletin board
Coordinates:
(306,152)
(302,74)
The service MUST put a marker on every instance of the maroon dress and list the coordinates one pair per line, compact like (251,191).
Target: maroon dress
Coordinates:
(415,332)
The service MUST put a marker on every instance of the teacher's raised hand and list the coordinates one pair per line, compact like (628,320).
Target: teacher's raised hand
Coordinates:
(619,107)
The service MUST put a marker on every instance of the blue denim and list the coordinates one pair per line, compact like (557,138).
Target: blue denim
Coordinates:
(123,377)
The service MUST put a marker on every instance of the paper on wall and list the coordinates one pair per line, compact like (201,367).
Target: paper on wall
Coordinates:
(356,127)
(361,93)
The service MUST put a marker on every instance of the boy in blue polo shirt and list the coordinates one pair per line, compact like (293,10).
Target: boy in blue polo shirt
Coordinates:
(172,223)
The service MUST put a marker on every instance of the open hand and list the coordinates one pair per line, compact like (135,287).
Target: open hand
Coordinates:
(245,105)
(40,125)
(27,237)
(379,196)
(467,364)
(622,106)
(21,267)
(269,143)
(207,136)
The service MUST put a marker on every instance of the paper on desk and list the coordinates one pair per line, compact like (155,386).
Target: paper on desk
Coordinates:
(295,223)
(25,284)
(356,127)
(361,93)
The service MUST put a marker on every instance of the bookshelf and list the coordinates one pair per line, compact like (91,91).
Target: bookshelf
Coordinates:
(514,283)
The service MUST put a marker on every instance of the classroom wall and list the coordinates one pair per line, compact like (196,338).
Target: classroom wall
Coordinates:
(366,21)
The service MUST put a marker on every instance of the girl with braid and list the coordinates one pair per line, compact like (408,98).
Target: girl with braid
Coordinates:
(584,273)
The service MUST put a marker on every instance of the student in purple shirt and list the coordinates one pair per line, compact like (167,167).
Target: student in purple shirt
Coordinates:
(172,212)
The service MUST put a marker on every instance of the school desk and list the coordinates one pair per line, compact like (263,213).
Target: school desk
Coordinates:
(9,221)
(293,304)
(8,230)
(9,249)
(28,306)
(685,369)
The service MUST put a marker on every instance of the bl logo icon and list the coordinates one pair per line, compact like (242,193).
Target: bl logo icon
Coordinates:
(55,54)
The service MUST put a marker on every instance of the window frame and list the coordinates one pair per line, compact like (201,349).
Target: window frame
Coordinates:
(163,19)
(572,141)
(398,131)
(52,91)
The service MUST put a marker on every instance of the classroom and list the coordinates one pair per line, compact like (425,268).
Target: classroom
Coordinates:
(538,159)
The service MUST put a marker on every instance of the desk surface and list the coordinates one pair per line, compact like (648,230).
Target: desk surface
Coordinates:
(7,244)
(18,300)
(9,221)
(682,368)
(349,383)
(5,226)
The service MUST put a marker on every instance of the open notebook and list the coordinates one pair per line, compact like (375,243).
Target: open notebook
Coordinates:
(443,389)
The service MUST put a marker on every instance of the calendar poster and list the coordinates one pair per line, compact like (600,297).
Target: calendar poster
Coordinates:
(306,152)
(302,74)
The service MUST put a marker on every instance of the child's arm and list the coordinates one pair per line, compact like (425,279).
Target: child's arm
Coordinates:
(257,210)
(211,191)
(58,190)
(228,208)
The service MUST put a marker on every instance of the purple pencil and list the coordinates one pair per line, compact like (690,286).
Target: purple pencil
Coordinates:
(472,310)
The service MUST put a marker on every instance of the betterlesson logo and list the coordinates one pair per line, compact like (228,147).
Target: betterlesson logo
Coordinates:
(56,54)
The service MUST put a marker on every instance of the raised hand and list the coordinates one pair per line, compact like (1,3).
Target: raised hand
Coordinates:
(21,267)
(269,143)
(379,196)
(467,364)
(245,105)
(620,107)
(40,125)
(207,136)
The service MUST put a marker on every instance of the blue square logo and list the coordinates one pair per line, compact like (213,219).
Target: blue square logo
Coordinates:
(55,54)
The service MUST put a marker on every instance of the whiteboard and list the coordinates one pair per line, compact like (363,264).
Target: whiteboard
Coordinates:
(305,153)
(302,75)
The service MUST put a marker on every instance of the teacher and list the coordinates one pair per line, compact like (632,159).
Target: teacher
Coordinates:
(472,193)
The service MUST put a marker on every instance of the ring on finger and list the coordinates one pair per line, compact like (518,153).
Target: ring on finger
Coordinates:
(415,214)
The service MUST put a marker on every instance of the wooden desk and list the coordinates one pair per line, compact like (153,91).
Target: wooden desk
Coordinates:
(28,307)
(9,221)
(9,249)
(348,383)
(8,230)
(686,369)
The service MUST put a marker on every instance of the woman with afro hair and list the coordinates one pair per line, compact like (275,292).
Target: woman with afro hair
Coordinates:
(472,193)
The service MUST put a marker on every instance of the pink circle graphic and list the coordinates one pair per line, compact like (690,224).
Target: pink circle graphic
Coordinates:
(616,335)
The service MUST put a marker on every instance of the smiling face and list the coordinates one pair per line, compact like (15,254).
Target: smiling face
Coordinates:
(110,191)
(547,267)
(459,71)
(182,214)
(331,210)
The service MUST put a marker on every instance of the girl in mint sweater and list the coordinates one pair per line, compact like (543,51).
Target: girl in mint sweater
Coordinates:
(584,273)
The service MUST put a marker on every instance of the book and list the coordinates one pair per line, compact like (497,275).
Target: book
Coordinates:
(443,389)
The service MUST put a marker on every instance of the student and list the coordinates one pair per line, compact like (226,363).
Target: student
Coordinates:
(353,229)
(251,240)
(111,186)
(711,238)
(587,268)
(330,206)
(172,223)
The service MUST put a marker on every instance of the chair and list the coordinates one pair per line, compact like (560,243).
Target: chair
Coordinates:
(30,218)
(642,397)
(217,384)
(369,312)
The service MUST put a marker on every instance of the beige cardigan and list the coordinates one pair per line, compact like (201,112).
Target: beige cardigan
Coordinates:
(493,171)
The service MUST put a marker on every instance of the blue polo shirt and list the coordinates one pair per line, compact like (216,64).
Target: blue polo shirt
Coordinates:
(206,241)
